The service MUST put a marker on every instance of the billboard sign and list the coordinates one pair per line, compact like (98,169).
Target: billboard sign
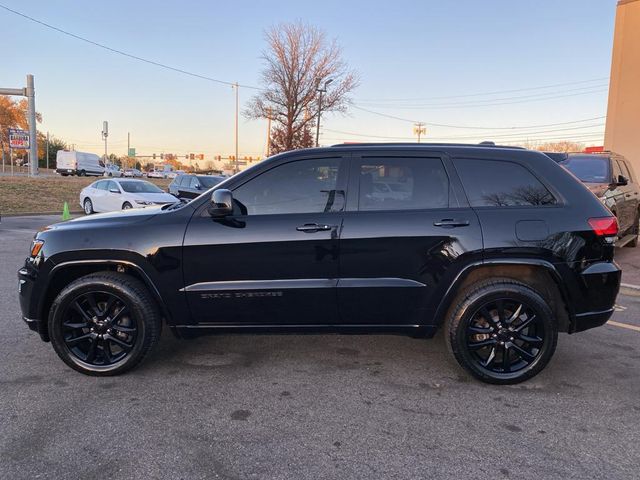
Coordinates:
(18,138)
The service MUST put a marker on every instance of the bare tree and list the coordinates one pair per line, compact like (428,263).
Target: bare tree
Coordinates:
(299,60)
(563,146)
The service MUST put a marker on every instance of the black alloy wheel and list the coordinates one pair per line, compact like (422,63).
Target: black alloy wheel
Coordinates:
(104,323)
(502,331)
(505,335)
(99,329)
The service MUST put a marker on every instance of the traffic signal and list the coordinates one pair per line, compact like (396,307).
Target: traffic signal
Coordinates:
(192,156)
(162,156)
(154,156)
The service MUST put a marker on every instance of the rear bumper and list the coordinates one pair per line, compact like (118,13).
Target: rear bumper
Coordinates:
(596,295)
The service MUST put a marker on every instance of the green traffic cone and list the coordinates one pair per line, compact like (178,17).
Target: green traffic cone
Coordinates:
(65,212)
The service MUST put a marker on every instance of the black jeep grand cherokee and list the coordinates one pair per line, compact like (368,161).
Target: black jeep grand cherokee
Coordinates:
(500,246)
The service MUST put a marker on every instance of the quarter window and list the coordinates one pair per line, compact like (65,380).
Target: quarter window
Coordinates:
(402,184)
(491,183)
(303,186)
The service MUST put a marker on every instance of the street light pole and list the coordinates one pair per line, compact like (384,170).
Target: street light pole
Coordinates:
(320,91)
(33,145)
(236,169)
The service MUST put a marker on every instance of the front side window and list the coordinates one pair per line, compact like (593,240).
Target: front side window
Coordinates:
(102,185)
(491,183)
(402,184)
(139,186)
(303,186)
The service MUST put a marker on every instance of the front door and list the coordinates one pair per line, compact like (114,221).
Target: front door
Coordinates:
(275,261)
(403,230)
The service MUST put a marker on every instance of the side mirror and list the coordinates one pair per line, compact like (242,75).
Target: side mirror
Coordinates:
(114,190)
(221,203)
(198,186)
(622,181)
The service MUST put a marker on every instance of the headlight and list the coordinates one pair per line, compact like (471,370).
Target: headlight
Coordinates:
(36,246)
(143,202)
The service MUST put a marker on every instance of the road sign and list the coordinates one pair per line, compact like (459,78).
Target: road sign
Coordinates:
(132,152)
(18,138)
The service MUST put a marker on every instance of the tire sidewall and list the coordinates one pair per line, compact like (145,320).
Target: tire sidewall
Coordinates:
(88,203)
(458,336)
(71,293)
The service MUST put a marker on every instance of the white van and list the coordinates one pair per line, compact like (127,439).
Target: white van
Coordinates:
(78,163)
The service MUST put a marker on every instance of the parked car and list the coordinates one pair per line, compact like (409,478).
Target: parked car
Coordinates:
(78,163)
(499,246)
(611,178)
(174,173)
(187,186)
(111,195)
(112,171)
(156,174)
(132,172)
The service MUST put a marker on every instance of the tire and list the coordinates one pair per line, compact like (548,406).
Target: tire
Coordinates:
(88,206)
(125,314)
(82,173)
(126,206)
(478,341)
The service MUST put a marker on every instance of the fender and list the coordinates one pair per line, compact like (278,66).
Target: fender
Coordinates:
(107,261)
(451,291)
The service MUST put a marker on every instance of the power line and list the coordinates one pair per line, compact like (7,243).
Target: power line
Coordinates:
(125,54)
(489,101)
(488,93)
(432,124)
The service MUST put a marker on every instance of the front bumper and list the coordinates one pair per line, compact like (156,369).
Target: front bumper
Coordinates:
(28,303)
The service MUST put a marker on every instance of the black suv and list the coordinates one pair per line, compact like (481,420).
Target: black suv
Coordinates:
(190,186)
(611,178)
(499,246)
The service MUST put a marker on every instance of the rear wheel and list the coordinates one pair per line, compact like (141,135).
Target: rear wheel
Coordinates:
(501,331)
(82,173)
(104,323)
(88,206)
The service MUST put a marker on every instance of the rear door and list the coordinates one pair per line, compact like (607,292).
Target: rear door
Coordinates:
(404,230)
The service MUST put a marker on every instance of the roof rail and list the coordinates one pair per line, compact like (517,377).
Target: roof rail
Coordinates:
(486,144)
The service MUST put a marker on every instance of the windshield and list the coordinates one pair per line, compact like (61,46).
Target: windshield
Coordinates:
(139,186)
(208,182)
(588,168)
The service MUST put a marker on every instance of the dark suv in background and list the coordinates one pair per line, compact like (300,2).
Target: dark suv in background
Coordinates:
(612,179)
(189,186)
(500,246)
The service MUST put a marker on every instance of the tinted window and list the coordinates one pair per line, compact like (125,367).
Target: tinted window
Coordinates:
(588,168)
(139,186)
(101,185)
(402,184)
(304,186)
(210,181)
(490,183)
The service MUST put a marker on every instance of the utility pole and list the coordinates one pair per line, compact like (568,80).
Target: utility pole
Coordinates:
(268,131)
(236,169)
(419,129)
(47,151)
(33,138)
(105,134)
(30,93)
(320,91)
(128,149)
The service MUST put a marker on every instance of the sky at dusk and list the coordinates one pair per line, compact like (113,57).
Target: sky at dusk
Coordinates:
(490,65)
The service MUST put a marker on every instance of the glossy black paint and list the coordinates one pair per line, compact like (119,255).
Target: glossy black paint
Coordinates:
(346,270)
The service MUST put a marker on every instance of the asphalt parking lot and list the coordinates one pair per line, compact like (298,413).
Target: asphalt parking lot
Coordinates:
(310,407)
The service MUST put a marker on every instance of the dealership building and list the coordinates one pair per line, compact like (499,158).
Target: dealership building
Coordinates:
(622,133)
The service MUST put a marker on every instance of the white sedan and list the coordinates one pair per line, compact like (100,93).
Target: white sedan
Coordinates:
(122,194)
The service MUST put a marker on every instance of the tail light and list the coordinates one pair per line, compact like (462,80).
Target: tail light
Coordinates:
(604,226)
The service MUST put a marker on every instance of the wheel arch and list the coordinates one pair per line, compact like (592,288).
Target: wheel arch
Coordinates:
(64,273)
(541,275)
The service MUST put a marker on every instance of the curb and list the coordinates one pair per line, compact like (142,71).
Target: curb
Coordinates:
(629,289)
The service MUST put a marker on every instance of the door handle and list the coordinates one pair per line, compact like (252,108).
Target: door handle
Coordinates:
(314,227)
(451,223)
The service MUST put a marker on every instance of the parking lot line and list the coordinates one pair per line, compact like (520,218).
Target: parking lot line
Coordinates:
(624,325)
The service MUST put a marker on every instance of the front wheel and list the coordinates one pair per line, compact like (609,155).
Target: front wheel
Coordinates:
(502,331)
(88,206)
(104,323)
(126,206)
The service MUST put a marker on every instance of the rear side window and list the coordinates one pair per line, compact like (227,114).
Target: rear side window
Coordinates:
(402,183)
(491,183)
(101,185)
